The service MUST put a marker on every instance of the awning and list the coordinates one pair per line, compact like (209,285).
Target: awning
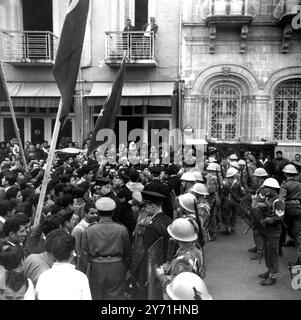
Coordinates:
(134,94)
(34,94)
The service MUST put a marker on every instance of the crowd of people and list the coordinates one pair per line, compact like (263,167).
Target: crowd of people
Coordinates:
(103,214)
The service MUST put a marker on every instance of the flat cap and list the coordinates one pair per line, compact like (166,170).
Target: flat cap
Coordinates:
(152,196)
(101,181)
(156,169)
(105,204)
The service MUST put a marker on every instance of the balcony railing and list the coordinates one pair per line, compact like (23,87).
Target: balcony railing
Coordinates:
(228,8)
(29,47)
(139,46)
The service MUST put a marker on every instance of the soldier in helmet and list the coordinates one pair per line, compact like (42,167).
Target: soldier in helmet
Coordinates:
(273,212)
(226,164)
(155,227)
(290,193)
(258,201)
(189,256)
(106,247)
(233,192)
(188,180)
(187,286)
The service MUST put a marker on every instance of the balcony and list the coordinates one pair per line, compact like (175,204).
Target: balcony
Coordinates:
(140,48)
(228,11)
(23,48)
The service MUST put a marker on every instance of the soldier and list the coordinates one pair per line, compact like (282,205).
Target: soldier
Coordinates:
(290,193)
(106,247)
(188,180)
(154,227)
(189,256)
(233,192)
(245,173)
(213,186)
(273,212)
(226,164)
(258,200)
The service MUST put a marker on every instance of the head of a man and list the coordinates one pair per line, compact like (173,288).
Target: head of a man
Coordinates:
(15,230)
(63,248)
(279,155)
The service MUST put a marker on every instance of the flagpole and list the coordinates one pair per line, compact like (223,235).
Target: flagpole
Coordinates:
(49,162)
(12,111)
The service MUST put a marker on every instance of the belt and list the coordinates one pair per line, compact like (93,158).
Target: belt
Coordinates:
(106,259)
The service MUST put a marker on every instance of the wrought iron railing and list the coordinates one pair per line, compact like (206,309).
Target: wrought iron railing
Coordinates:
(29,46)
(228,7)
(139,45)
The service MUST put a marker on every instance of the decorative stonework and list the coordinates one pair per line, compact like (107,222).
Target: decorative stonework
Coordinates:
(286,36)
(244,36)
(212,30)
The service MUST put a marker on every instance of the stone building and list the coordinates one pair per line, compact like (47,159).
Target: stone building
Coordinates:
(28,42)
(241,66)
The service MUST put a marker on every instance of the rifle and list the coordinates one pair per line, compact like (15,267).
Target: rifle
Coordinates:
(248,176)
(198,221)
(171,249)
(219,184)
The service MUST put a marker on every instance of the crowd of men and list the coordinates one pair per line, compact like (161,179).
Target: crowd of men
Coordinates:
(102,216)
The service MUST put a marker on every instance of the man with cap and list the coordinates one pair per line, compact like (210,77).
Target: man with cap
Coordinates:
(103,188)
(173,180)
(106,247)
(155,228)
(290,193)
(233,192)
(158,186)
(273,212)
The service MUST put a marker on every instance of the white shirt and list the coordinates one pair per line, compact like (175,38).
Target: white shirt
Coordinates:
(29,294)
(63,282)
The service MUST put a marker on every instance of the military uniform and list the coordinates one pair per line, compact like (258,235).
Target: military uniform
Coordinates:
(231,198)
(214,203)
(106,246)
(290,193)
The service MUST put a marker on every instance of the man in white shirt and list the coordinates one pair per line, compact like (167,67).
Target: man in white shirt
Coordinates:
(63,281)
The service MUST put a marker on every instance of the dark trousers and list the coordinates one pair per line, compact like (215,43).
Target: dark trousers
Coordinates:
(258,239)
(271,256)
(229,213)
(212,220)
(292,219)
(107,280)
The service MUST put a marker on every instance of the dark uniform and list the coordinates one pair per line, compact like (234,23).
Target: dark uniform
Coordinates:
(214,203)
(231,198)
(290,193)
(147,232)
(106,246)
(270,232)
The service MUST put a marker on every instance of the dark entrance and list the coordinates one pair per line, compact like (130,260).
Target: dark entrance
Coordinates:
(141,13)
(132,123)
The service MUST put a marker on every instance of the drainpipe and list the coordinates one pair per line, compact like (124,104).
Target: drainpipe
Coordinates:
(180,69)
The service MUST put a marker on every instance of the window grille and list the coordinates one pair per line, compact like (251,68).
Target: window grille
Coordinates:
(225,102)
(287,112)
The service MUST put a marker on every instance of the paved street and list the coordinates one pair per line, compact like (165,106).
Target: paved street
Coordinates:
(232,275)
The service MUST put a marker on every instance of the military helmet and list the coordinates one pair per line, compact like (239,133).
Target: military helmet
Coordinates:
(186,201)
(182,229)
(260,172)
(200,188)
(290,168)
(212,166)
(234,164)
(233,157)
(187,286)
(188,176)
(242,162)
(231,172)
(198,176)
(271,183)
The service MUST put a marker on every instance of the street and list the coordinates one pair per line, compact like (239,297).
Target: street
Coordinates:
(232,275)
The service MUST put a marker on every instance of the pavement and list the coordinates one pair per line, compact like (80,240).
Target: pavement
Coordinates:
(232,275)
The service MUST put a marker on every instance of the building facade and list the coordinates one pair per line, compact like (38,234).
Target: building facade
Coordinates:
(29,36)
(241,64)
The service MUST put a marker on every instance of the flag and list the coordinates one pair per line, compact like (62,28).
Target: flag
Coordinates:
(109,110)
(3,86)
(69,52)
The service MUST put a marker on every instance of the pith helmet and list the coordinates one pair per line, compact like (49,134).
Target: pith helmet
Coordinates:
(200,188)
(188,176)
(187,201)
(185,285)
(234,164)
(260,172)
(231,172)
(198,176)
(271,183)
(182,230)
(233,157)
(290,168)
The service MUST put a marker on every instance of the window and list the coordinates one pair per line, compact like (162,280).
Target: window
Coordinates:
(225,103)
(287,109)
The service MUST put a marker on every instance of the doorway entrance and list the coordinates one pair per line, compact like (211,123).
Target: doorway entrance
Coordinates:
(141,13)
